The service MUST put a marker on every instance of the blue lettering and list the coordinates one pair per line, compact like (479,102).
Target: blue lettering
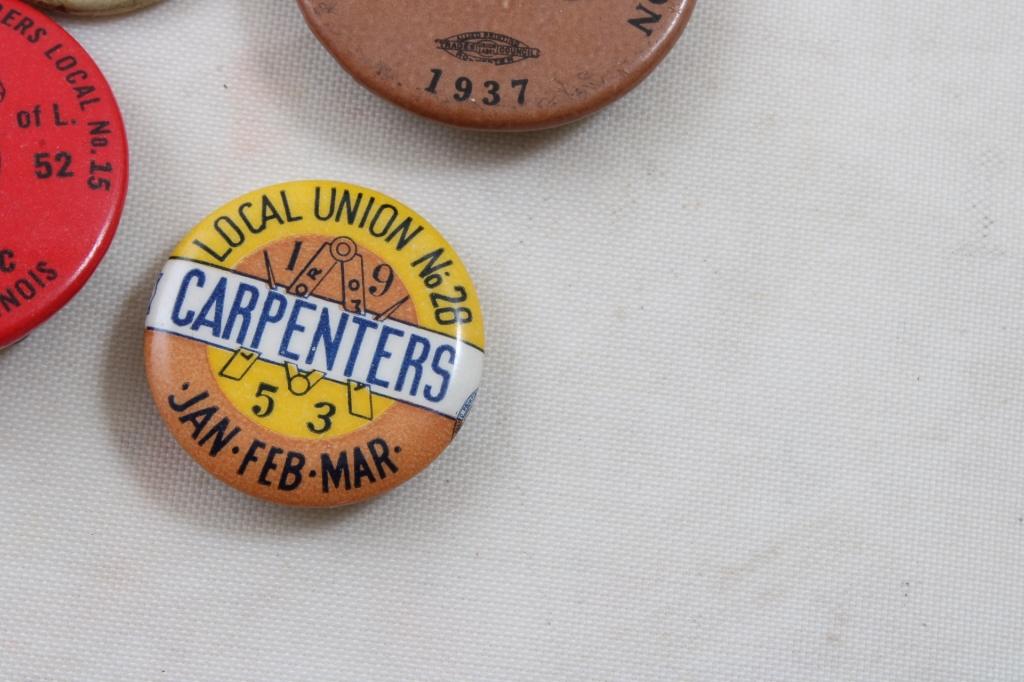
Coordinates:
(268,316)
(331,341)
(363,324)
(242,309)
(176,318)
(415,355)
(381,354)
(445,375)
(292,327)
(214,304)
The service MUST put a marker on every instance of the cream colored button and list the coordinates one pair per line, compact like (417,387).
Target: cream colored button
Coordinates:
(95,7)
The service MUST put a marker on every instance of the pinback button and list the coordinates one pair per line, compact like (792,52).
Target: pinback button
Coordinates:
(95,7)
(314,343)
(499,64)
(63,168)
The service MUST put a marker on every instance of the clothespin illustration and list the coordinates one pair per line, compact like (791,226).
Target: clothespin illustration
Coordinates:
(240,362)
(299,382)
(360,400)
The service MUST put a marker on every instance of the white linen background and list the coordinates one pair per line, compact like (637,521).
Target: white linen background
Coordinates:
(754,387)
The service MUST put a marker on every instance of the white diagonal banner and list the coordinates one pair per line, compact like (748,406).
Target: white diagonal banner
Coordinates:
(397,360)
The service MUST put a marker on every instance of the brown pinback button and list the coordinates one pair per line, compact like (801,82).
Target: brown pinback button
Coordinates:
(501,64)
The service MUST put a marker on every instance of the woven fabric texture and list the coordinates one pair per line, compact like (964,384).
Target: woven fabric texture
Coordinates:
(754,386)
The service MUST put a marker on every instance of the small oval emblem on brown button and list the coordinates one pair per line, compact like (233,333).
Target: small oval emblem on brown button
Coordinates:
(500,64)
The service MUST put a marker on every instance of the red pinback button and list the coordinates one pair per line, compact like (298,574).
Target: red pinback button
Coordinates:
(63,168)
(499,64)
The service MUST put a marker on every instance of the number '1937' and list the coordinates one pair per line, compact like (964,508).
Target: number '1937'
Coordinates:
(491,94)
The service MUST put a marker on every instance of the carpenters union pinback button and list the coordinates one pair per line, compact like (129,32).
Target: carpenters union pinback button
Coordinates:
(500,64)
(63,168)
(314,343)
(95,7)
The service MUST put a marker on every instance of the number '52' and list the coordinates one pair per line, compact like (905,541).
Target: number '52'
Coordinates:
(45,169)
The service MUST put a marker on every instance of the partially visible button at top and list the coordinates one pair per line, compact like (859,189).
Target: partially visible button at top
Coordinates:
(499,64)
(95,7)
(63,168)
